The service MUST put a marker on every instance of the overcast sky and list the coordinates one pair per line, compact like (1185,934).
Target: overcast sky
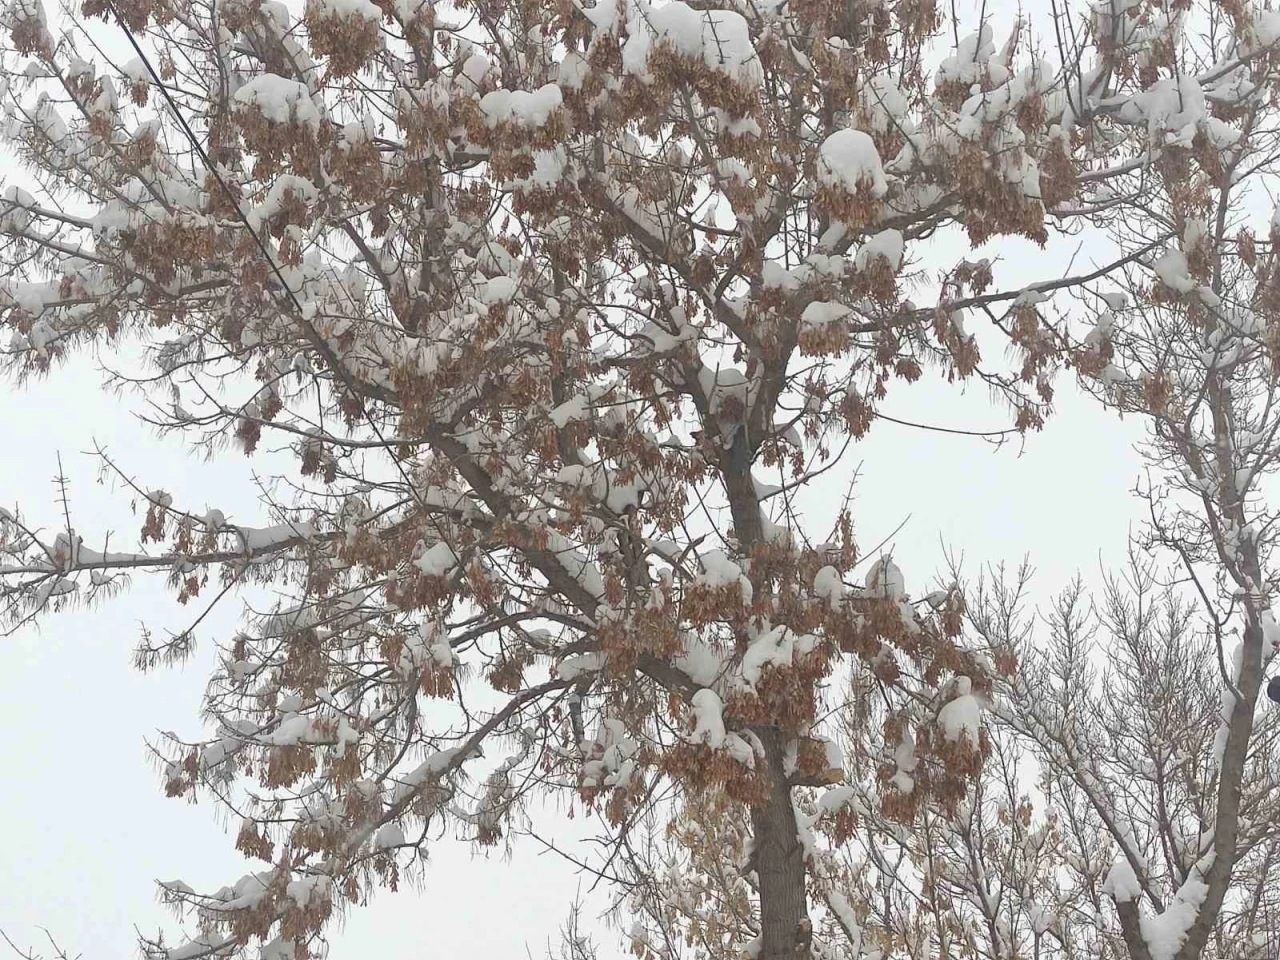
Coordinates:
(87,829)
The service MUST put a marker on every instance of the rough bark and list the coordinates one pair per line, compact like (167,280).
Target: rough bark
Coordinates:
(1131,929)
(1226,831)
(779,859)
(778,854)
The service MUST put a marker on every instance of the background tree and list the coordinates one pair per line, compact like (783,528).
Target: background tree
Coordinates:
(1085,833)
(540,295)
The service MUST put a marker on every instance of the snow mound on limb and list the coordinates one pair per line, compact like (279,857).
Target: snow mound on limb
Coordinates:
(961,718)
(719,38)
(848,160)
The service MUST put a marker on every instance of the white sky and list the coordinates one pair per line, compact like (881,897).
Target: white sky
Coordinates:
(87,829)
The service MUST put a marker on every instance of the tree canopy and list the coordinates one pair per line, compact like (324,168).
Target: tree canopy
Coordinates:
(561,310)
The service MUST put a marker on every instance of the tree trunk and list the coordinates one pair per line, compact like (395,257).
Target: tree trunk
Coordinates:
(779,860)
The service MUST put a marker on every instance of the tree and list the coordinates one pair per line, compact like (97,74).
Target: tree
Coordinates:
(1195,356)
(536,293)
(1086,832)
(1150,834)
